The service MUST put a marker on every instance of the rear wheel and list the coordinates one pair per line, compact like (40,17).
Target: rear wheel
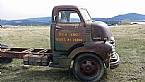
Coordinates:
(5,60)
(88,67)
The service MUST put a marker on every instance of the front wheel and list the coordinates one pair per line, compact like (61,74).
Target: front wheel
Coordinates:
(88,67)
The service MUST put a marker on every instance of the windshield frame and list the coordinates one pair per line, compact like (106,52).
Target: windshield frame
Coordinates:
(85,14)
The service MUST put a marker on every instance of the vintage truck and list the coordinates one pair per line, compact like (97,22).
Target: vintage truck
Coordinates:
(77,42)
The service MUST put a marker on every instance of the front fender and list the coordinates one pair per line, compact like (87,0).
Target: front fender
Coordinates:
(100,49)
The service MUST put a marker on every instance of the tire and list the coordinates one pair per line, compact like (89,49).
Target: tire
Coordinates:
(88,67)
(5,60)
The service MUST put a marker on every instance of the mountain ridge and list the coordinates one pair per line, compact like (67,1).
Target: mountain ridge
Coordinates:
(47,20)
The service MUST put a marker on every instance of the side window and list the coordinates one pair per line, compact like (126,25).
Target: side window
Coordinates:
(68,17)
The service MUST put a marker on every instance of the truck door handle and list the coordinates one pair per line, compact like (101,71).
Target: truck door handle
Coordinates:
(58,27)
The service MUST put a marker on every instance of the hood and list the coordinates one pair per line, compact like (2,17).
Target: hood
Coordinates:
(100,31)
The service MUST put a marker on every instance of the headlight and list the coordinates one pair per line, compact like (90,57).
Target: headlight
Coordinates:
(112,38)
(111,43)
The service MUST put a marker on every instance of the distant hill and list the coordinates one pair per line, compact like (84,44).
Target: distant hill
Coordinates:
(119,18)
(29,21)
(47,20)
(130,16)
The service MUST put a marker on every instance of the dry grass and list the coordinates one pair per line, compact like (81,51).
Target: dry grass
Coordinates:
(130,42)
(34,37)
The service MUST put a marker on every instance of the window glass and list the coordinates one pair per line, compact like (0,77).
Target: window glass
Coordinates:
(69,17)
(85,14)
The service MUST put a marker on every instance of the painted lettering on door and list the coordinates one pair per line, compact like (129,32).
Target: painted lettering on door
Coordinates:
(69,37)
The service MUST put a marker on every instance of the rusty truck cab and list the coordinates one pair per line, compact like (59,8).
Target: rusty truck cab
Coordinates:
(76,38)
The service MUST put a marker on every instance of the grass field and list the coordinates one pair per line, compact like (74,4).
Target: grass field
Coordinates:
(130,43)
(35,37)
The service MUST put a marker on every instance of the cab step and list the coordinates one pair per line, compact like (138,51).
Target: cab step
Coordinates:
(55,65)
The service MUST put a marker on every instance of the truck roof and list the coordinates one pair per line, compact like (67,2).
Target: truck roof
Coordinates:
(65,6)
(68,7)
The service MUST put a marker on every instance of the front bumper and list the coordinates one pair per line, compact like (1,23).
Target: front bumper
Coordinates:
(114,60)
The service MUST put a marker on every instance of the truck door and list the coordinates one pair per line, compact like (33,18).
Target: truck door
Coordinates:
(69,30)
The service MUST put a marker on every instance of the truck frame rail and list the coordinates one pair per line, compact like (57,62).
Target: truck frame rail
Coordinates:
(20,52)
(30,56)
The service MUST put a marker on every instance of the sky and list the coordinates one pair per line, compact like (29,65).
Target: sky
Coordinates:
(21,9)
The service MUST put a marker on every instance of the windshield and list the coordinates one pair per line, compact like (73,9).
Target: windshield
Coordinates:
(85,14)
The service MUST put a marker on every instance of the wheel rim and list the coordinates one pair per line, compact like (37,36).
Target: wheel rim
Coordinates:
(89,67)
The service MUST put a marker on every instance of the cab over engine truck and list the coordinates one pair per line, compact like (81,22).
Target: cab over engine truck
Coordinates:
(77,42)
